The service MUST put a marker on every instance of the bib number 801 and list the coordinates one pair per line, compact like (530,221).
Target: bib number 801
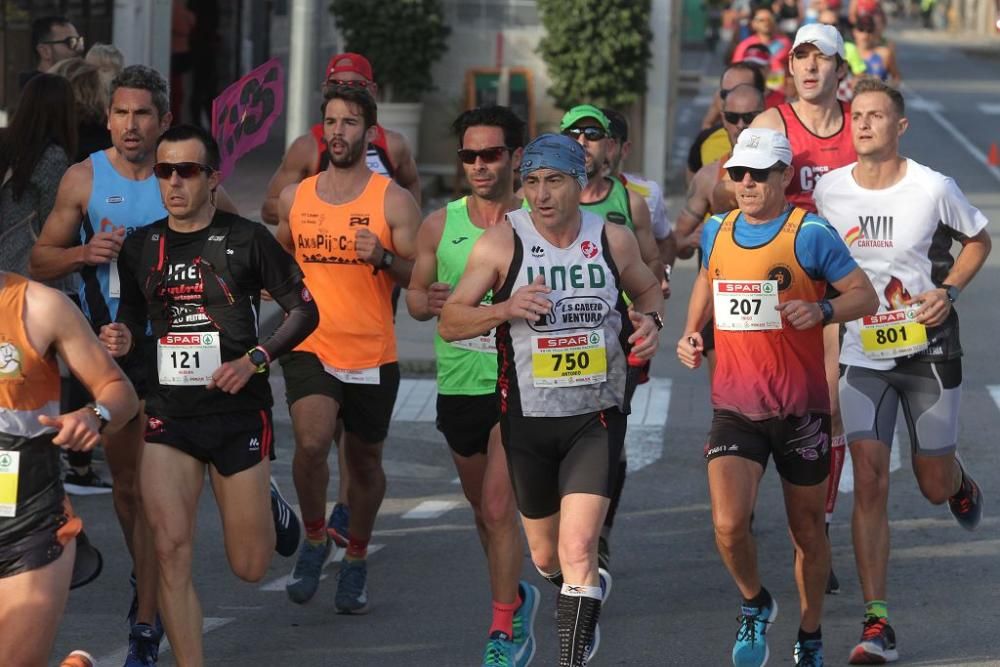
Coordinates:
(573,361)
(890,336)
(185,360)
(744,306)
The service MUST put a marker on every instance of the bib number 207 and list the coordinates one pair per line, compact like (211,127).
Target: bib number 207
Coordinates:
(744,306)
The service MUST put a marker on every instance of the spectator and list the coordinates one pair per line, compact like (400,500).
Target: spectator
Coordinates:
(108,60)
(53,38)
(92,97)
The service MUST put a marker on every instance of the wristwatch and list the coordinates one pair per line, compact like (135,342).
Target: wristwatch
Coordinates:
(952,292)
(386,261)
(826,308)
(667,269)
(102,413)
(259,358)
(657,320)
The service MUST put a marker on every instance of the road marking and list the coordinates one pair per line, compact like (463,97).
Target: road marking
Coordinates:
(994,390)
(431,509)
(647,423)
(990,109)
(336,556)
(208,624)
(922,104)
(915,101)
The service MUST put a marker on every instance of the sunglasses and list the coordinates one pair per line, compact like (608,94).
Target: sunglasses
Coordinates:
(589,133)
(165,170)
(758,175)
(72,42)
(734,118)
(487,155)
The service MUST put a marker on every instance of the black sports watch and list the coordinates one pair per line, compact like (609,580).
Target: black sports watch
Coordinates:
(386,261)
(657,320)
(952,292)
(102,413)
(826,308)
(259,358)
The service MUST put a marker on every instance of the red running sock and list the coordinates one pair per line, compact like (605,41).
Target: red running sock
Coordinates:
(316,531)
(503,618)
(357,549)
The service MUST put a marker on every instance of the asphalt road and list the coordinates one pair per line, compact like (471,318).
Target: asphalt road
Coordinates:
(673,603)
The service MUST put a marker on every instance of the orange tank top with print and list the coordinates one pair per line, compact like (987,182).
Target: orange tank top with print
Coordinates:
(29,383)
(355,329)
(771,372)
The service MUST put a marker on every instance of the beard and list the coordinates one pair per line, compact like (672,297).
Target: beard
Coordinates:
(355,153)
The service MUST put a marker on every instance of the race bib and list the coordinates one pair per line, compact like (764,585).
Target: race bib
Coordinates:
(893,334)
(114,283)
(569,360)
(484,343)
(746,305)
(363,376)
(187,359)
(9,462)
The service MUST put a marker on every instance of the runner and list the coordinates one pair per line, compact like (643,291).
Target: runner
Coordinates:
(910,353)
(741,106)
(195,278)
(491,140)
(562,351)
(877,55)
(764,273)
(387,154)
(818,126)
(37,525)
(353,232)
(99,201)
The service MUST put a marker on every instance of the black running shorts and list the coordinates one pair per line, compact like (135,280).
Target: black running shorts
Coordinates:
(800,445)
(232,442)
(550,457)
(366,409)
(38,541)
(466,422)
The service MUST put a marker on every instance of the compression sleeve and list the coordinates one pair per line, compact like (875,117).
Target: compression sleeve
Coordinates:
(301,318)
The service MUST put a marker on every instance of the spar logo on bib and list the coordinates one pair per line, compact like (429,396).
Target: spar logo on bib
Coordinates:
(747,287)
(189,339)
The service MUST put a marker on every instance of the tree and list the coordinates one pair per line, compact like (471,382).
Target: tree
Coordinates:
(597,51)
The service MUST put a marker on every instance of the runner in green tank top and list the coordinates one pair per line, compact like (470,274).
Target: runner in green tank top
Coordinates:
(490,146)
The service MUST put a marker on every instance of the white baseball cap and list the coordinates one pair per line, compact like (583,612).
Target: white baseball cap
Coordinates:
(760,148)
(824,37)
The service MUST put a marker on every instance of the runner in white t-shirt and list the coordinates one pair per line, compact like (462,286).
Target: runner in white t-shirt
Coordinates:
(900,219)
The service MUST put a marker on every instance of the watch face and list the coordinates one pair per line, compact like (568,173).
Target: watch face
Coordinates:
(257,358)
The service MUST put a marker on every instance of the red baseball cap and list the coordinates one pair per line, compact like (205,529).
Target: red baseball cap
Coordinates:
(349,62)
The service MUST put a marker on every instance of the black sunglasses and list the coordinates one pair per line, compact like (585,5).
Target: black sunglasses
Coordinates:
(487,155)
(590,133)
(758,175)
(71,42)
(733,118)
(165,170)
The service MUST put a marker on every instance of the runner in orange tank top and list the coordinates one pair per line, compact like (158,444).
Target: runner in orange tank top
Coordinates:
(353,233)
(37,527)
(765,269)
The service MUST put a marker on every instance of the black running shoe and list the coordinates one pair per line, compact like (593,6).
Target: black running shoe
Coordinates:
(286,525)
(967,505)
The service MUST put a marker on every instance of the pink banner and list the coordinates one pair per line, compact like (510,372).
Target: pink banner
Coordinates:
(243,114)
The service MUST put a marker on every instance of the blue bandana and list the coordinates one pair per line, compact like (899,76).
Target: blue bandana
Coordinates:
(555,151)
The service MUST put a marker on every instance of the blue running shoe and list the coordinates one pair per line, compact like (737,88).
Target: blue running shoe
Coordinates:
(524,625)
(809,653)
(143,646)
(133,610)
(304,579)
(340,519)
(286,525)
(750,649)
(605,579)
(500,651)
(352,588)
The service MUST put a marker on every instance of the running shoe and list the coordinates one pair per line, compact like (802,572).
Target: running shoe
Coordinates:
(286,525)
(809,653)
(78,659)
(352,589)
(143,646)
(340,518)
(133,610)
(832,584)
(605,578)
(596,644)
(500,651)
(877,645)
(304,579)
(603,553)
(967,505)
(524,625)
(85,484)
(750,649)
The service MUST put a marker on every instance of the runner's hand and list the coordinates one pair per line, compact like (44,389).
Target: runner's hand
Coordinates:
(690,349)
(529,302)
(103,247)
(368,247)
(437,294)
(801,314)
(665,287)
(934,307)
(645,329)
(78,430)
(233,375)
(116,338)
